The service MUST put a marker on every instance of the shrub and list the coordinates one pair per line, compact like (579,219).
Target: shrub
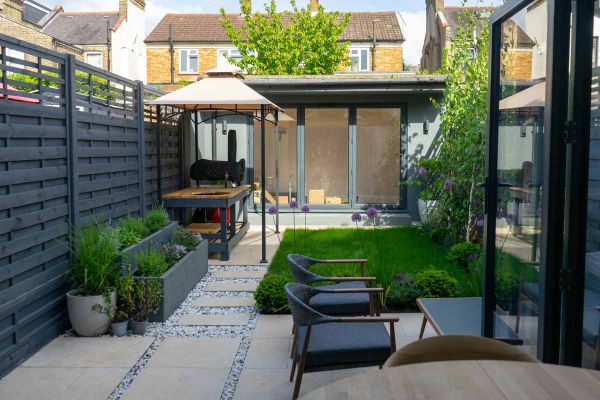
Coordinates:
(507,291)
(270,296)
(151,262)
(94,269)
(186,238)
(134,225)
(173,252)
(403,292)
(436,283)
(463,253)
(156,219)
(125,297)
(126,237)
(438,234)
(147,296)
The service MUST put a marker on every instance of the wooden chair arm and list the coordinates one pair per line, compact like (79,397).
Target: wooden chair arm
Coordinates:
(345,261)
(391,320)
(351,278)
(353,290)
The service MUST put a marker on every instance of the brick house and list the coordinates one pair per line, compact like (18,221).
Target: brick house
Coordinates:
(441,23)
(200,43)
(112,40)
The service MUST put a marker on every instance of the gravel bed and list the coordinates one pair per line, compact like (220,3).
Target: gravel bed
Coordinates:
(169,329)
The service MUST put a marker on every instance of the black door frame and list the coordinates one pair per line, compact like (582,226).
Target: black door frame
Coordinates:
(557,59)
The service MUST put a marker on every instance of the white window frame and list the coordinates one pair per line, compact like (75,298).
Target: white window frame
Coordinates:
(357,52)
(223,61)
(188,53)
(94,53)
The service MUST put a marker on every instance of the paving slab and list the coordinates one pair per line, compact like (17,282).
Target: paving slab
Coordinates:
(269,353)
(234,301)
(274,384)
(177,383)
(273,326)
(195,353)
(240,274)
(57,383)
(409,325)
(95,352)
(214,320)
(231,287)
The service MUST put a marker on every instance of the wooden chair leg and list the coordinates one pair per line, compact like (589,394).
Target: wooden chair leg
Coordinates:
(371,304)
(294,345)
(294,363)
(423,328)
(302,363)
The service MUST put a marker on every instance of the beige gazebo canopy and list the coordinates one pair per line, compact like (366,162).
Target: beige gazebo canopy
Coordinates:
(223,91)
(533,96)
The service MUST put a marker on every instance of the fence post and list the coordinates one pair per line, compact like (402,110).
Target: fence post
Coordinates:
(72,145)
(141,145)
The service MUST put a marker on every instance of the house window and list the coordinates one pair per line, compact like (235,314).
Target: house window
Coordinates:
(188,61)
(223,54)
(595,51)
(359,59)
(94,58)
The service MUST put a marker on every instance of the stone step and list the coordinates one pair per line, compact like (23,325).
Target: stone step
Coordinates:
(214,320)
(231,287)
(228,301)
(240,274)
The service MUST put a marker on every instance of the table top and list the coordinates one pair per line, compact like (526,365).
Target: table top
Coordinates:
(465,380)
(207,193)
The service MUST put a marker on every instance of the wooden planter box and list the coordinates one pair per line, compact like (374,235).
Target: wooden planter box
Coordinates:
(180,279)
(157,239)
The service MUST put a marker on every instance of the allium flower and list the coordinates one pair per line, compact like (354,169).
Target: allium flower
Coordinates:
(472,257)
(372,213)
(305,209)
(449,185)
(479,223)
(272,210)
(421,171)
(356,217)
(293,204)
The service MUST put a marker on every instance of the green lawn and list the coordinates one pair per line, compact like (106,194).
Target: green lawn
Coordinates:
(389,251)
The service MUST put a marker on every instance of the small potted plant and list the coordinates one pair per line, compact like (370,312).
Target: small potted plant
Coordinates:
(125,305)
(94,271)
(147,299)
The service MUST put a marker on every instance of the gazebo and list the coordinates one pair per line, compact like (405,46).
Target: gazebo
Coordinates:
(224,93)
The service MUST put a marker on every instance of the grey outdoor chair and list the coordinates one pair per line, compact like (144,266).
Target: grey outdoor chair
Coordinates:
(349,303)
(325,342)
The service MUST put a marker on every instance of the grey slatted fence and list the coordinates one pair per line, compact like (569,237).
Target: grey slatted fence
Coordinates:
(76,143)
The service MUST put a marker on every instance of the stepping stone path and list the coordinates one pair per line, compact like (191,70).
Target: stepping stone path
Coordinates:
(220,308)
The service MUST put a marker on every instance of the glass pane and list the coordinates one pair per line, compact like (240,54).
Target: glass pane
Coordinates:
(364,60)
(591,298)
(354,63)
(184,61)
(326,156)
(193,62)
(287,159)
(520,171)
(378,156)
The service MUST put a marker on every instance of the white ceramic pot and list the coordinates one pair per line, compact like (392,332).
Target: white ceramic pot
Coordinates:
(425,208)
(85,320)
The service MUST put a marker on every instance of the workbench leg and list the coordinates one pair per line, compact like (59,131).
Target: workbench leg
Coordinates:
(232,222)
(245,210)
(223,220)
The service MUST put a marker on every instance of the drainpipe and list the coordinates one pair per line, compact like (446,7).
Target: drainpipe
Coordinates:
(108,43)
(172,53)
(374,52)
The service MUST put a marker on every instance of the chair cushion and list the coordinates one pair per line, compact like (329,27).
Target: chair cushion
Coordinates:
(338,343)
(341,303)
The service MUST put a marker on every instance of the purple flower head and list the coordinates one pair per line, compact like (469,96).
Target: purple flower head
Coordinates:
(421,171)
(293,204)
(305,209)
(356,217)
(272,210)
(472,257)
(449,185)
(479,223)
(372,213)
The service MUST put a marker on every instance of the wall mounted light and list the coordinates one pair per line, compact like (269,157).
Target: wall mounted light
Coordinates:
(523,130)
(426,128)
(224,127)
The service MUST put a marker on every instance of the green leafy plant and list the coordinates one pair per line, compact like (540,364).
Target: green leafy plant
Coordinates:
(156,218)
(126,237)
(270,296)
(125,297)
(296,43)
(433,282)
(403,292)
(173,252)
(463,253)
(134,225)
(147,298)
(151,262)
(473,286)
(507,290)
(94,268)
(438,234)
(186,238)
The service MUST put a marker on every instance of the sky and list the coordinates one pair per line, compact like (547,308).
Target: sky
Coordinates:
(412,12)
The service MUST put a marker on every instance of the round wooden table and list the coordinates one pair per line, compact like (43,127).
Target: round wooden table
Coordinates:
(465,380)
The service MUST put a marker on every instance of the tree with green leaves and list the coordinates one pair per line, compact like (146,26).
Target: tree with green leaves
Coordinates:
(454,174)
(289,43)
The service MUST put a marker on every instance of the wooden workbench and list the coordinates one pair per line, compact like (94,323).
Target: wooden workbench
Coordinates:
(222,238)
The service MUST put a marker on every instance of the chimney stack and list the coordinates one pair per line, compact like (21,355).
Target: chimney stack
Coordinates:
(314,6)
(124,6)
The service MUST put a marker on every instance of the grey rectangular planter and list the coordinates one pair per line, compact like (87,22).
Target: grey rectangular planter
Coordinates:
(157,239)
(180,279)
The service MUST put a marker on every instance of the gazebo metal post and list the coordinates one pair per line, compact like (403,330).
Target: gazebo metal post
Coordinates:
(196,133)
(158,155)
(277,139)
(262,183)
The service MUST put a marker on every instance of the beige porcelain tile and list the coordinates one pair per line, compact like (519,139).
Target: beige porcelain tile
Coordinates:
(269,353)
(409,325)
(274,384)
(195,353)
(231,287)
(270,326)
(208,319)
(177,384)
(224,302)
(240,274)
(98,352)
